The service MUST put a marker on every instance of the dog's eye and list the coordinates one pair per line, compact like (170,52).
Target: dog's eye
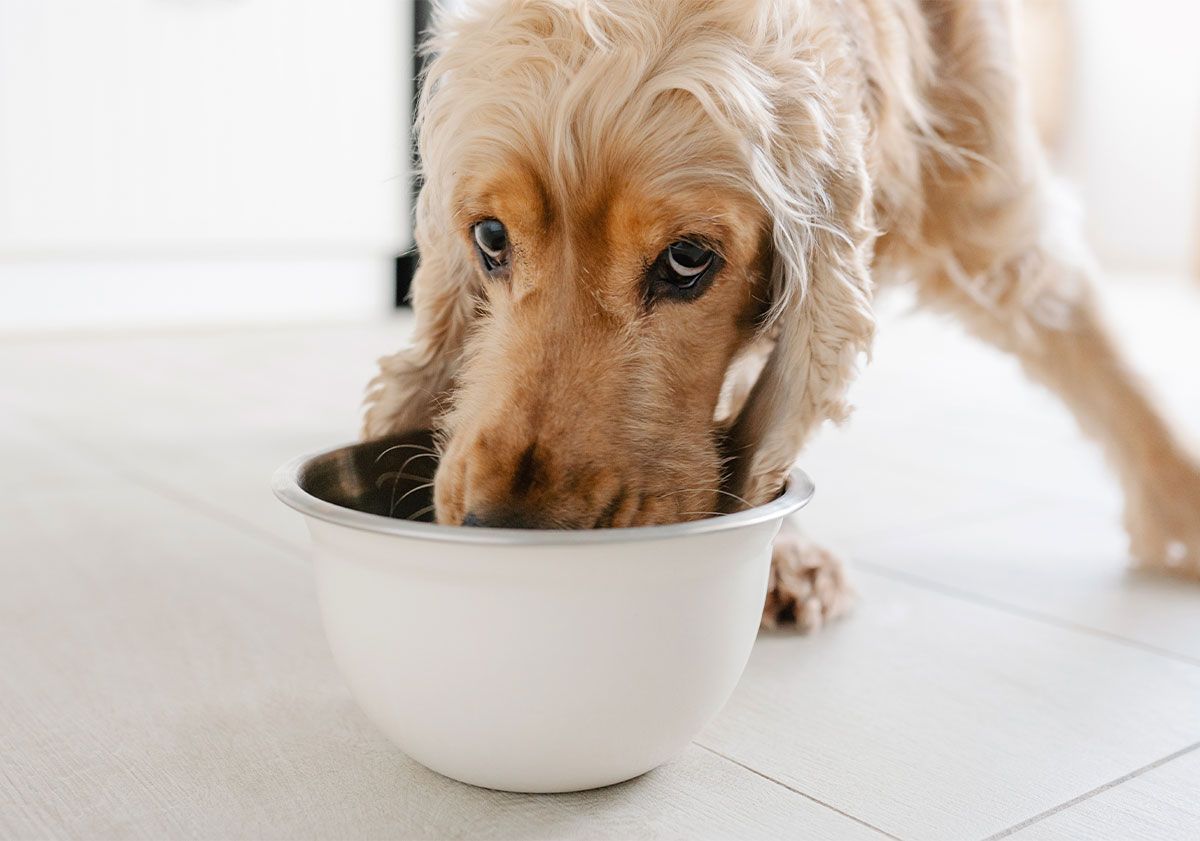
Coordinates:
(681,271)
(688,260)
(491,238)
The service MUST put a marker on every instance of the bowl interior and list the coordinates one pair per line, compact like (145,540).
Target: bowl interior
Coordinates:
(389,477)
(386,486)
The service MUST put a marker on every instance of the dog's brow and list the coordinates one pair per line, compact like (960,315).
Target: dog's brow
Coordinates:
(512,192)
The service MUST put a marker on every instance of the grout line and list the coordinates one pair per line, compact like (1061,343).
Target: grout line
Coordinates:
(1016,610)
(809,797)
(146,482)
(1090,794)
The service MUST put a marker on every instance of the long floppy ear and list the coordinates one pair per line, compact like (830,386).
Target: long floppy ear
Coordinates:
(408,392)
(813,181)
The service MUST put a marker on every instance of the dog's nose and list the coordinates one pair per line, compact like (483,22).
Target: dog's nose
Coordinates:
(500,520)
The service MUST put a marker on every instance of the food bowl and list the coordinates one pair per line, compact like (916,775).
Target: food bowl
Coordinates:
(532,661)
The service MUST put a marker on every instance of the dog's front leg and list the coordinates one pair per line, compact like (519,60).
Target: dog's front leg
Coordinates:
(808,585)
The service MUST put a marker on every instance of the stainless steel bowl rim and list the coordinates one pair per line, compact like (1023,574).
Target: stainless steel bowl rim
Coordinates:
(286,485)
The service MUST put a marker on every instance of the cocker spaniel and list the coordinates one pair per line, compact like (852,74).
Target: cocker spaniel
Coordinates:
(650,232)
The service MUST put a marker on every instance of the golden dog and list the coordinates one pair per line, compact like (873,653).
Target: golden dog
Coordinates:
(650,232)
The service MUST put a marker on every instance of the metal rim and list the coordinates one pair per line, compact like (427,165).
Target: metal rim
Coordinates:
(286,485)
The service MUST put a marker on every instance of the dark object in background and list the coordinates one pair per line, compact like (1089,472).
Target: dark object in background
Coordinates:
(406,266)
(406,263)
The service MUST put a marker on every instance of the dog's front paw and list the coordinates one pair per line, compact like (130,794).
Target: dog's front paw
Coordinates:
(1163,520)
(808,585)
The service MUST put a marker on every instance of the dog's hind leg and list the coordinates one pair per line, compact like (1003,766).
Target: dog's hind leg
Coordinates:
(999,246)
(1019,280)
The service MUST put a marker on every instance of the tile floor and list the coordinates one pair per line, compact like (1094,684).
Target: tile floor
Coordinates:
(163,672)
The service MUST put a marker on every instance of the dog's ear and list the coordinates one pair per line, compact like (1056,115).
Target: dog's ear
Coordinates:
(811,176)
(410,389)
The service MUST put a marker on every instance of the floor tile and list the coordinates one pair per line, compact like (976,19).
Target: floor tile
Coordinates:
(930,717)
(165,384)
(1159,805)
(1067,563)
(204,415)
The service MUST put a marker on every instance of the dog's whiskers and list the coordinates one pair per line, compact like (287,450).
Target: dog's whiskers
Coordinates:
(394,447)
(418,514)
(411,459)
(407,494)
(397,475)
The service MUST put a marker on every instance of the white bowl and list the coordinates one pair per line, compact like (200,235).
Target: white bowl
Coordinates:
(532,661)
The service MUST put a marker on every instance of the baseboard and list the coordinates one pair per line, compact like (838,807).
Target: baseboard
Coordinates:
(37,294)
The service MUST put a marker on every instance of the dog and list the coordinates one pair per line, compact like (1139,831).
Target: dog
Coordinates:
(650,232)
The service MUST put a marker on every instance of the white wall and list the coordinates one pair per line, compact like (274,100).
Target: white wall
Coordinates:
(1133,135)
(160,135)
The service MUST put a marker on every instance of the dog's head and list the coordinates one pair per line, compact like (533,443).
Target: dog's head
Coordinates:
(618,199)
